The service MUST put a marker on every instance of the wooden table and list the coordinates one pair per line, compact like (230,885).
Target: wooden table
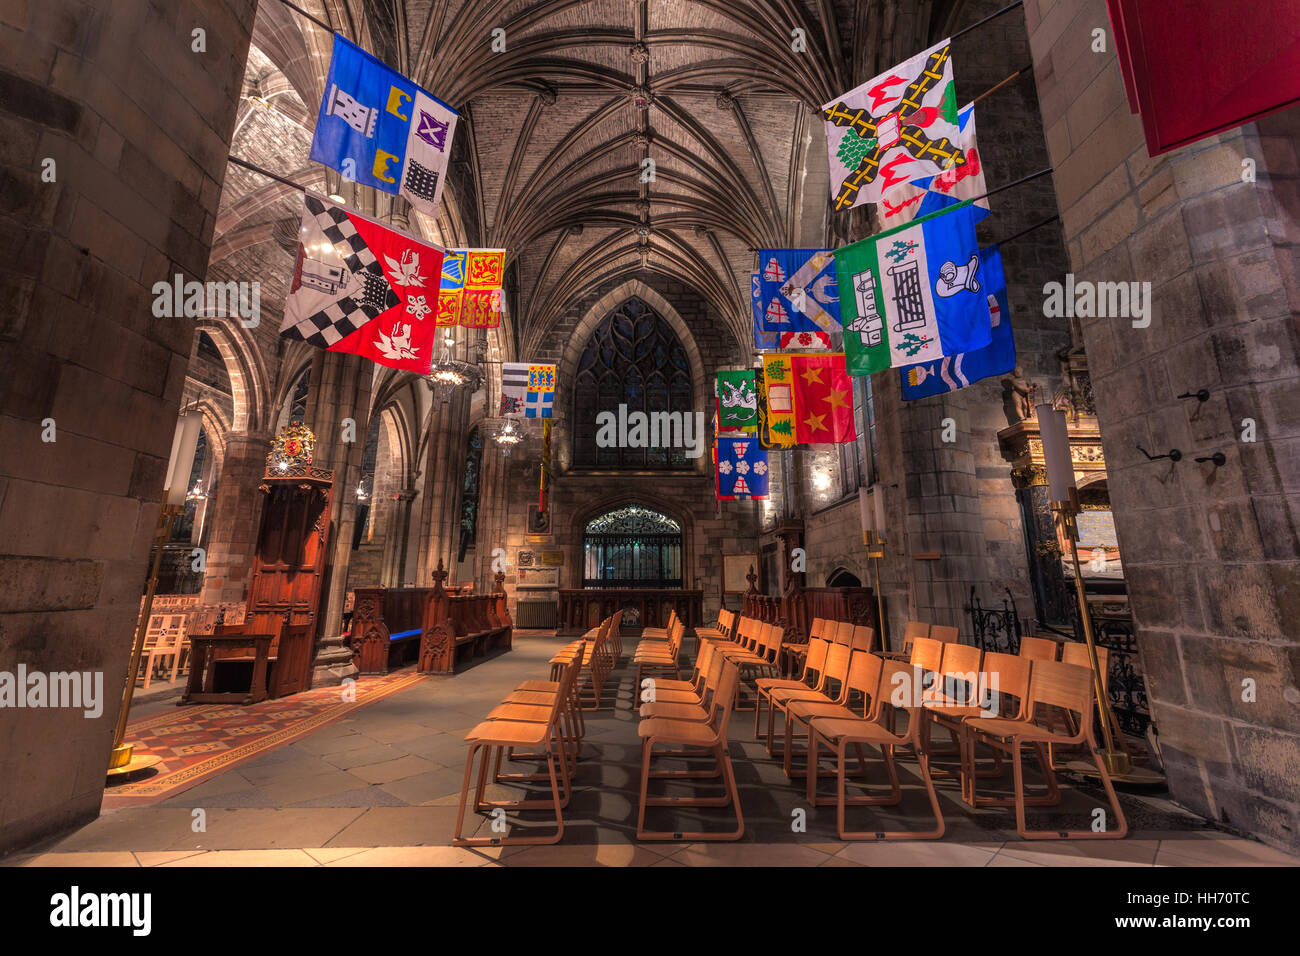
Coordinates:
(203,668)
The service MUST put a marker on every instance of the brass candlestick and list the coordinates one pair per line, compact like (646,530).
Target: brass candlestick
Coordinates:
(121,762)
(1117,762)
(876,551)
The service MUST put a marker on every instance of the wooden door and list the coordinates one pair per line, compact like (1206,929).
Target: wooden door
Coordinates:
(288,570)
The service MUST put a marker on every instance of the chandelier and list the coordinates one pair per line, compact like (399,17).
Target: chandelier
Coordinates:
(507,435)
(449,374)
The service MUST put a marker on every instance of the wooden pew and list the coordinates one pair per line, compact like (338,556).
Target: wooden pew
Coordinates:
(478,622)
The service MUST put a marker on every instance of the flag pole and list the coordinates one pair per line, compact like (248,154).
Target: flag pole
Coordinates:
(978,23)
(325,26)
(993,89)
(1025,232)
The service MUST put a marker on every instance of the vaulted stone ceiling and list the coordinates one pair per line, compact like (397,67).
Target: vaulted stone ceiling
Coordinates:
(550,157)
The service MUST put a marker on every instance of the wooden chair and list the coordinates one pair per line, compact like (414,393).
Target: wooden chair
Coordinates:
(834,678)
(656,658)
(945,633)
(660,633)
(708,738)
(688,705)
(683,691)
(491,737)
(954,695)
(1039,648)
(1070,688)
(863,677)
(837,734)
(813,667)
(911,632)
(164,641)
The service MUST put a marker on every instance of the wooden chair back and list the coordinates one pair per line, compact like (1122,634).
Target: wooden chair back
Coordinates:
(864,638)
(945,633)
(959,674)
(1066,687)
(1077,654)
(901,688)
(724,697)
(927,654)
(838,657)
(844,633)
(1007,676)
(1038,648)
(815,662)
(818,628)
(912,631)
(864,678)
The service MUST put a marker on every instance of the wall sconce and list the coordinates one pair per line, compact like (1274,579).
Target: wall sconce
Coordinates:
(821,480)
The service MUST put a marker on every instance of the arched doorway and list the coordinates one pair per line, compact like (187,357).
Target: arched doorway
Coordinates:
(632,547)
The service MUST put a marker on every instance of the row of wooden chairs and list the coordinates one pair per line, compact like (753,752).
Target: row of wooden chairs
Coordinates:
(539,720)
(1002,701)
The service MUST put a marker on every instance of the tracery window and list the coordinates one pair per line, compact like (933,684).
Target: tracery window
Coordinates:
(632,547)
(633,359)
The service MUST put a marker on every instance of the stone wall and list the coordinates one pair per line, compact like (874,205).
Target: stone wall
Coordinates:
(138,126)
(1211,555)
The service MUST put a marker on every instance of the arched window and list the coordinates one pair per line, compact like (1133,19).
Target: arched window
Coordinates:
(632,359)
(470,493)
(632,547)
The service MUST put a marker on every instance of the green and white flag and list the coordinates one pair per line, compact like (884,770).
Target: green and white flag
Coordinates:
(913,293)
(738,400)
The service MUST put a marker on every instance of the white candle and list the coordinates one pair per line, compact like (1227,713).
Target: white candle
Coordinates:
(878,497)
(864,510)
(1056,451)
(184,443)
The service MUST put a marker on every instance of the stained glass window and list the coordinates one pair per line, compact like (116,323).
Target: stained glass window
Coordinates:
(633,359)
(632,547)
(470,493)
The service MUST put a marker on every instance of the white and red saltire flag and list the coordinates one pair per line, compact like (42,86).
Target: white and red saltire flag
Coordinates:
(363,288)
(895,128)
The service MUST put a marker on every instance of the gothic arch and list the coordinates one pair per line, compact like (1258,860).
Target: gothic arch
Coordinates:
(673,509)
(249,386)
(577,343)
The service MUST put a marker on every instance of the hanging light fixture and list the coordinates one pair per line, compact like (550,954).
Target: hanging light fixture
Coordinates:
(507,435)
(197,493)
(450,374)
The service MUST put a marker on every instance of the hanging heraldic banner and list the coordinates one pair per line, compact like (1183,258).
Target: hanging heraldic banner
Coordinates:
(921,197)
(362,288)
(527,390)
(470,293)
(914,293)
(957,371)
(896,128)
(737,401)
(764,339)
(742,468)
(379,129)
(801,303)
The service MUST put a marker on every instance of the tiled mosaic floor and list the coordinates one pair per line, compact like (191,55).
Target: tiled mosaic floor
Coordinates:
(199,740)
(380,786)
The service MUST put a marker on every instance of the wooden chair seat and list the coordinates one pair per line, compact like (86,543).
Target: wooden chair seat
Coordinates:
(669,730)
(853,730)
(526,712)
(674,710)
(510,733)
(804,710)
(1009,729)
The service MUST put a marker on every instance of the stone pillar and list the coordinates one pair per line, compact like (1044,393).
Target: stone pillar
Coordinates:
(444,471)
(1210,554)
(100,95)
(399,534)
(339,389)
(235,518)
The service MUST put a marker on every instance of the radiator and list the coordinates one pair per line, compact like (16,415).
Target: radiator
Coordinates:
(536,614)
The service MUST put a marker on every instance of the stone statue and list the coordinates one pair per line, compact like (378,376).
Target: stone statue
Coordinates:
(1017,397)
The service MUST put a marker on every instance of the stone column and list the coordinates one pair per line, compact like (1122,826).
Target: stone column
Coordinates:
(399,534)
(339,389)
(235,519)
(1210,554)
(444,471)
(136,129)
